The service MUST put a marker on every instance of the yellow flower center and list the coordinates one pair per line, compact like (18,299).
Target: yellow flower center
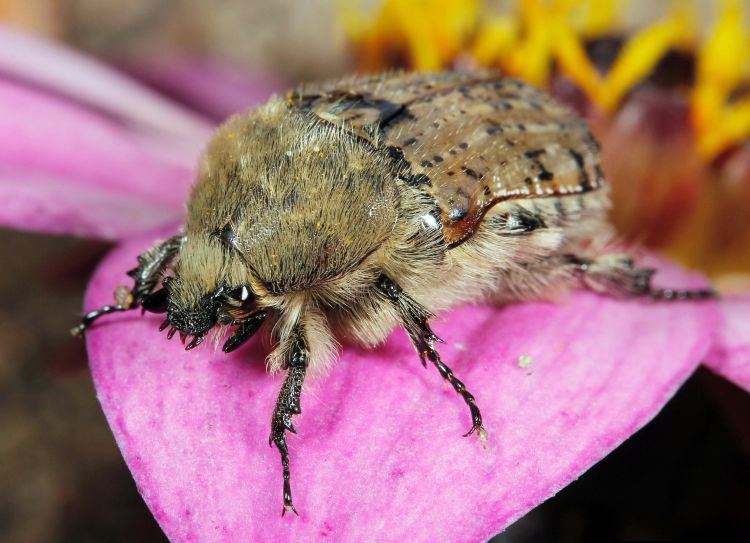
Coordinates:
(433,34)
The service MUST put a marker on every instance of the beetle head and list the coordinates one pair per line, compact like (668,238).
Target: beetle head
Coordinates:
(207,288)
(198,318)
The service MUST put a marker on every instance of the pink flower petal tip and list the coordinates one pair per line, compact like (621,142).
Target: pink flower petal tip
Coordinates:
(63,71)
(379,454)
(730,356)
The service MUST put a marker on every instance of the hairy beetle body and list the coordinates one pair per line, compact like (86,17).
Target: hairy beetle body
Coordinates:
(352,207)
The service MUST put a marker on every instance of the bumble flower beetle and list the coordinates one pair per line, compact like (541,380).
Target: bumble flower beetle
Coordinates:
(355,206)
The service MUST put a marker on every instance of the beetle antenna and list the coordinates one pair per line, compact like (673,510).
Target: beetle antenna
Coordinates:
(89,318)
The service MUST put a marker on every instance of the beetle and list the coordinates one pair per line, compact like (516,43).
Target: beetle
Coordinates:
(350,207)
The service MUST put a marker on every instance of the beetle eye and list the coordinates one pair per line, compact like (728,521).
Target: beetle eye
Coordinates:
(240,294)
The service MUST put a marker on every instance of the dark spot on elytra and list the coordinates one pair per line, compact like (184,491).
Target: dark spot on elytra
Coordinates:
(487,190)
(401,115)
(493,130)
(583,174)
(577,157)
(545,175)
(463,145)
(453,151)
(535,105)
(521,127)
(397,155)
(451,174)
(471,173)
(510,142)
(527,180)
(436,124)
(437,158)
(409,141)
(535,153)
(420,179)
(426,164)
(388,112)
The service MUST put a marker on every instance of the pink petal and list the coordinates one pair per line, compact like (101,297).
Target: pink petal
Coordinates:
(55,67)
(379,455)
(730,357)
(67,169)
(214,89)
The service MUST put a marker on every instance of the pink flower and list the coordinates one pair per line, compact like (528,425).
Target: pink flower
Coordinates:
(85,150)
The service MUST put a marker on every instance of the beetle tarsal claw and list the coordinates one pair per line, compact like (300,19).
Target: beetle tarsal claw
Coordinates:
(479,430)
(289,507)
(171,333)
(197,340)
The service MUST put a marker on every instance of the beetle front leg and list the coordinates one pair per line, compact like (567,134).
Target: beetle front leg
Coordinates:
(287,405)
(148,273)
(414,319)
(151,267)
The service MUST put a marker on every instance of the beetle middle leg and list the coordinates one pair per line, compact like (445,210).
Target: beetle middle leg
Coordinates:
(414,319)
(616,274)
(287,405)
(148,273)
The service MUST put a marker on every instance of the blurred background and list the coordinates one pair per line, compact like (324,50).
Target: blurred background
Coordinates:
(666,87)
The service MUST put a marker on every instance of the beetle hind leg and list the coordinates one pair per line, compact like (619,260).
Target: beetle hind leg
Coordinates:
(617,275)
